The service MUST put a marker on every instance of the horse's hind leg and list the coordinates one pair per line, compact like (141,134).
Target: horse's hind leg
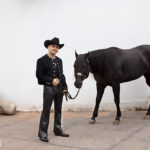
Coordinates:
(147,77)
(100,92)
(147,115)
(116,91)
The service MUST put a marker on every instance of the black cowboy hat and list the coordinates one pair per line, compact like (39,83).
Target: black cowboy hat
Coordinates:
(53,41)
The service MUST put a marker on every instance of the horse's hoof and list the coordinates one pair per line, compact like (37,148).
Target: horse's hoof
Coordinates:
(146,117)
(116,122)
(92,121)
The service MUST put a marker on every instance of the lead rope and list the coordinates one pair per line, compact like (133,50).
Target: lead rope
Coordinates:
(68,95)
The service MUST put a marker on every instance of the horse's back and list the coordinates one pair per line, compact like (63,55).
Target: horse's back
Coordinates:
(124,64)
(134,56)
(135,62)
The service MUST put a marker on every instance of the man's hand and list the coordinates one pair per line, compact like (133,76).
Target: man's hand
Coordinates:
(55,82)
(64,91)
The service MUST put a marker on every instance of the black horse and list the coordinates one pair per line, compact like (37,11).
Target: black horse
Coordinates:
(111,67)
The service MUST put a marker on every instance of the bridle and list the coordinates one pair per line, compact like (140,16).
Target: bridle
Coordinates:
(67,94)
(83,75)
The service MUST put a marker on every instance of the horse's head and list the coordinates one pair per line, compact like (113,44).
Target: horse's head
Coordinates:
(81,69)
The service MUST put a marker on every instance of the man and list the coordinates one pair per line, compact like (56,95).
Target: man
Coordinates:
(49,73)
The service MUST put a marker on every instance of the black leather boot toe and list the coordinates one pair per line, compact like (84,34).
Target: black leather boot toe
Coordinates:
(43,136)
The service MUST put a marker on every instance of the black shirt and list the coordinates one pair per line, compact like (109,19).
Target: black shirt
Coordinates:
(47,69)
(55,68)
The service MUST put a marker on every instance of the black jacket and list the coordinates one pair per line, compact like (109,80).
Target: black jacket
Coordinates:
(44,72)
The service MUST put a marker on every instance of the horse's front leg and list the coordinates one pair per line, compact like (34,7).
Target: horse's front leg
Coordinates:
(116,91)
(100,92)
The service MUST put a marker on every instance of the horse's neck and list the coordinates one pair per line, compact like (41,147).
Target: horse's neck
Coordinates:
(96,62)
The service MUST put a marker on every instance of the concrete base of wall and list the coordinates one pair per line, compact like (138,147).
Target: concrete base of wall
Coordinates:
(125,105)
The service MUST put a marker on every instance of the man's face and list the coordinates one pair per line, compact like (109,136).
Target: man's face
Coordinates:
(53,49)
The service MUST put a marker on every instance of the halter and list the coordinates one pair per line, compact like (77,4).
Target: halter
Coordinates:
(81,74)
(67,94)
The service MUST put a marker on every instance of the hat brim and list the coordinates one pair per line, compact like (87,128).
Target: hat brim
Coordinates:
(48,42)
(61,46)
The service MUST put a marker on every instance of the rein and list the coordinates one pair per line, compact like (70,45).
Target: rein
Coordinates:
(68,95)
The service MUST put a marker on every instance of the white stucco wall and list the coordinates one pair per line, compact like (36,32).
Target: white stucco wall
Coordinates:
(83,25)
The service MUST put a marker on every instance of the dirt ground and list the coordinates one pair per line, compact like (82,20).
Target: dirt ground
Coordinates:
(19,132)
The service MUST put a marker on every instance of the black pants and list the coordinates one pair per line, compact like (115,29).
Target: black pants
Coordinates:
(49,94)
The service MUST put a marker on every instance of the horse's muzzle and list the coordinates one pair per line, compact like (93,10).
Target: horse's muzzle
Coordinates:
(78,85)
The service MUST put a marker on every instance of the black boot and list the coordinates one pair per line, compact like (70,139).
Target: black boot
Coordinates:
(58,131)
(61,134)
(43,136)
(43,130)
(57,119)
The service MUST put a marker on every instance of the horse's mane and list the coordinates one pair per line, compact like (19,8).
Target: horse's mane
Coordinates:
(96,53)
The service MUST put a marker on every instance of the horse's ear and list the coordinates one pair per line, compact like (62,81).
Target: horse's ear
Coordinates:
(76,54)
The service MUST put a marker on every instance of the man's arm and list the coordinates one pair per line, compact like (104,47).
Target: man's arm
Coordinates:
(42,79)
(64,83)
(64,79)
